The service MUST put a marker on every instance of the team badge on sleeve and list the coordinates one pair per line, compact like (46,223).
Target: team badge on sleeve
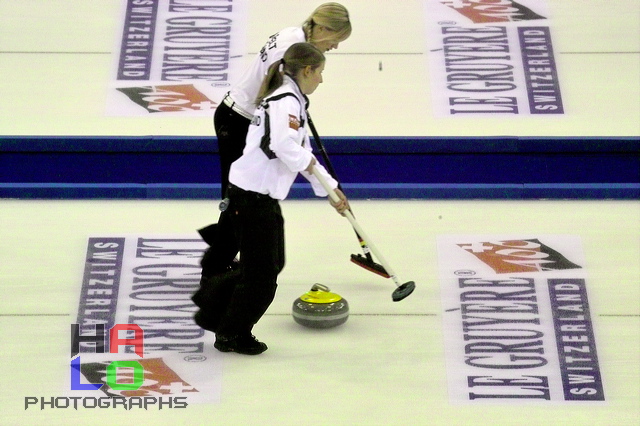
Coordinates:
(294,123)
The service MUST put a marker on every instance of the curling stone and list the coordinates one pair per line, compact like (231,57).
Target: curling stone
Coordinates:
(319,308)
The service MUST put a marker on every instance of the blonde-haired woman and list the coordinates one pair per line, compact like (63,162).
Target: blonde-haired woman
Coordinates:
(277,150)
(325,28)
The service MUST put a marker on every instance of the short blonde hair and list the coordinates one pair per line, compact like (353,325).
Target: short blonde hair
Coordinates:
(333,16)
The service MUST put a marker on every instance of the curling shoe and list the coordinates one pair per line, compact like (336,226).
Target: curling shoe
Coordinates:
(244,344)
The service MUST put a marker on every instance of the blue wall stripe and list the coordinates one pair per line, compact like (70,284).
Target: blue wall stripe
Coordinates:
(303,191)
(334,144)
(369,167)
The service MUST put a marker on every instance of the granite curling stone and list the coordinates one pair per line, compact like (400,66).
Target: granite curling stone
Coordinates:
(319,308)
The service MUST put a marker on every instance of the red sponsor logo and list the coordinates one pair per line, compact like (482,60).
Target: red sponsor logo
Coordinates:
(510,256)
(169,98)
(159,379)
(485,11)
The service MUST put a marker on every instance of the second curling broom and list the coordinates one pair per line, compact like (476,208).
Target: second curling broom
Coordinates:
(365,261)
(402,290)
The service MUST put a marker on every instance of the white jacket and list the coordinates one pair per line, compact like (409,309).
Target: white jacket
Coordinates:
(278,147)
(245,89)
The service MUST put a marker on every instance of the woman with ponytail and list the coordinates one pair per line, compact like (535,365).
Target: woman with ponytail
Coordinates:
(325,28)
(277,149)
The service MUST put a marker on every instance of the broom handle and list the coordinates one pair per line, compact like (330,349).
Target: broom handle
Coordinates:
(333,174)
(323,151)
(336,199)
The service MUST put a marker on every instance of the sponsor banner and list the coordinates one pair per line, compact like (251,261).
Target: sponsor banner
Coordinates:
(146,281)
(491,57)
(176,57)
(517,320)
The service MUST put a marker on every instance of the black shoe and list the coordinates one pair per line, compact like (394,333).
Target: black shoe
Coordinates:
(247,345)
(202,322)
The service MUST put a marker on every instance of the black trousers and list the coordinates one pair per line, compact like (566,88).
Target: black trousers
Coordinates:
(223,247)
(231,130)
(233,302)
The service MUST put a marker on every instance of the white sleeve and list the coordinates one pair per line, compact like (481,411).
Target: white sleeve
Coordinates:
(286,134)
(318,189)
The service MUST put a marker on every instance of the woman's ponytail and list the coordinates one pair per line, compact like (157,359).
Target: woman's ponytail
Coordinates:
(297,57)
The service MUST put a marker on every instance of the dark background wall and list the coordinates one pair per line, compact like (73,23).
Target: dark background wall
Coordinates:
(368,167)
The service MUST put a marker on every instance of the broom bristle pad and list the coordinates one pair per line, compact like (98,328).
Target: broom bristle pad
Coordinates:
(364,263)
